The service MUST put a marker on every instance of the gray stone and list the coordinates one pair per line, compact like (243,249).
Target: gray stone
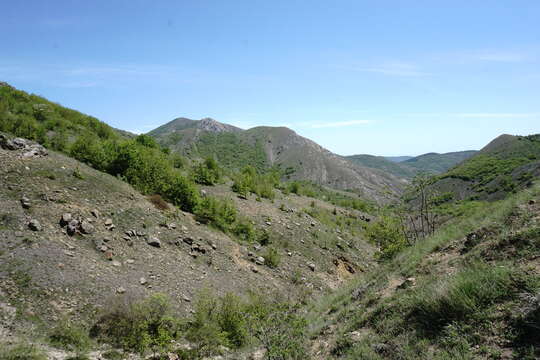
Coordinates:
(121,290)
(259,260)
(143,281)
(154,241)
(34,225)
(66,218)
(86,227)
(311,266)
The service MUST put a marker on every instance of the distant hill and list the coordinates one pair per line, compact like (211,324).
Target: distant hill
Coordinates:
(437,163)
(432,163)
(398,158)
(505,165)
(265,147)
(382,163)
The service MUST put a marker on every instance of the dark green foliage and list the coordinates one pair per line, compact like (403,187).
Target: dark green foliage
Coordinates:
(231,151)
(387,233)
(182,192)
(207,172)
(245,230)
(138,326)
(216,212)
(69,336)
(250,181)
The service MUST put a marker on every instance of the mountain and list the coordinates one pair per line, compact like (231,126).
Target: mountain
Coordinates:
(507,164)
(437,163)
(398,159)
(265,147)
(432,163)
(382,163)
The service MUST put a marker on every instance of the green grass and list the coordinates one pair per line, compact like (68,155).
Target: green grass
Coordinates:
(21,351)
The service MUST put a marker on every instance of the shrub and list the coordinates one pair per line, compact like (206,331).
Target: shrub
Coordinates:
(207,172)
(245,230)
(182,192)
(387,234)
(158,202)
(216,212)
(138,326)
(69,336)
(272,258)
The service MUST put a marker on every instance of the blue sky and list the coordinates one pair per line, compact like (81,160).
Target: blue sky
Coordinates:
(380,77)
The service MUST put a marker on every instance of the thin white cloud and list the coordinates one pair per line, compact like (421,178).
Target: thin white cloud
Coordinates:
(395,68)
(339,124)
(498,115)
(486,55)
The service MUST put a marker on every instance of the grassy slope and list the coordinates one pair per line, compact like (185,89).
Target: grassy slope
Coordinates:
(506,164)
(472,297)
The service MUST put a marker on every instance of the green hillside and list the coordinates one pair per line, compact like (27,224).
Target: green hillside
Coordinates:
(435,163)
(408,167)
(382,163)
(506,164)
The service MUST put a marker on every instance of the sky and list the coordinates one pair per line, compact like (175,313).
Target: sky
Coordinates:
(379,77)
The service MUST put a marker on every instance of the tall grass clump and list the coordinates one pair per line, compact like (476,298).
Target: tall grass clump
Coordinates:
(464,296)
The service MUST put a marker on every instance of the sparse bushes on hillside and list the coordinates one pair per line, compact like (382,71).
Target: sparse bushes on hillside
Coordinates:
(207,172)
(250,181)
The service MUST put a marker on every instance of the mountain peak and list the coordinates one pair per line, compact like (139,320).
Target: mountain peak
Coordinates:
(209,124)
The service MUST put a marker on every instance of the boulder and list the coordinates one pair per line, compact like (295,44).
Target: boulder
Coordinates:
(34,225)
(86,227)
(154,241)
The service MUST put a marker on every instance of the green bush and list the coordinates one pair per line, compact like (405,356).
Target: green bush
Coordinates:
(245,230)
(182,192)
(216,212)
(272,258)
(387,234)
(69,336)
(207,172)
(138,326)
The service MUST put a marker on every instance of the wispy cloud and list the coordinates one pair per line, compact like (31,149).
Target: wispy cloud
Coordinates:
(486,55)
(339,124)
(395,68)
(498,115)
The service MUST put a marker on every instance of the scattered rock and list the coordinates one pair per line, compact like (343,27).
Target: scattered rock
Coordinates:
(116,263)
(311,266)
(171,226)
(34,225)
(25,202)
(188,240)
(289,253)
(259,260)
(532,202)
(143,281)
(108,222)
(66,218)
(73,226)
(186,299)
(154,241)
(121,290)
(95,213)
(86,227)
